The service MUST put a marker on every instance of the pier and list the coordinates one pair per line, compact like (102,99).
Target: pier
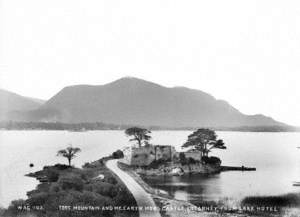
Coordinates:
(242,168)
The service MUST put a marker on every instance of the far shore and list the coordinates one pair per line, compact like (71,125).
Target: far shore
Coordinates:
(93,126)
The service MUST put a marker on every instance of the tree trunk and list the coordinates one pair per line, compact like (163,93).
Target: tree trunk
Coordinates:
(69,160)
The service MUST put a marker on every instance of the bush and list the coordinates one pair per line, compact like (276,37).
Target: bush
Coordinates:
(38,199)
(155,164)
(71,181)
(123,198)
(89,166)
(182,158)
(110,179)
(52,175)
(103,188)
(12,210)
(287,200)
(118,154)
(191,160)
(58,167)
(54,188)
(84,174)
(211,160)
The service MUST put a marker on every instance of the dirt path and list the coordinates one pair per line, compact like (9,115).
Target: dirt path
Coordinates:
(143,199)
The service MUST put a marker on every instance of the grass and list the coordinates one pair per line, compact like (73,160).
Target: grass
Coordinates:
(286,200)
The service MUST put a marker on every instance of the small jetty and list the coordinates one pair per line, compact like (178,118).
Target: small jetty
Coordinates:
(242,168)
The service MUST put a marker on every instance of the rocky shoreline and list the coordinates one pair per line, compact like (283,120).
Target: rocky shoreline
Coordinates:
(179,169)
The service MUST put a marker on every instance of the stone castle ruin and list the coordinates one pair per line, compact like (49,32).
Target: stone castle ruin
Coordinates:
(145,155)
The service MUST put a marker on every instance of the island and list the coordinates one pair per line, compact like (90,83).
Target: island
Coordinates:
(148,159)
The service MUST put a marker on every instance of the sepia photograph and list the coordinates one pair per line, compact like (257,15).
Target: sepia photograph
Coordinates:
(161,108)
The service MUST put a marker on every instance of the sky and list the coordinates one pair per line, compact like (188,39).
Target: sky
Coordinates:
(245,52)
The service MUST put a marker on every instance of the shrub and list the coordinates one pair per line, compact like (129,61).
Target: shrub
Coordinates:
(118,154)
(110,179)
(211,160)
(70,181)
(52,175)
(54,200)
(292,199)
(191,160)
(54,188)
(2,211)
(124,198)
(89,166)
(84,174)
(156,163)
(103,188)
(182,158)
(59,166)
(37,199)
(12,210)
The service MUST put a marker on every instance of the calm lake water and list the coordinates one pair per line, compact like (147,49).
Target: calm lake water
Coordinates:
(275,155)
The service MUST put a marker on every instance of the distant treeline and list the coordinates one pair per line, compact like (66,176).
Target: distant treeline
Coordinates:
(12,125)
(260,129)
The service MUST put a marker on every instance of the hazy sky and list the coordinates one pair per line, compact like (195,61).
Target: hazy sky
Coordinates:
(246,52)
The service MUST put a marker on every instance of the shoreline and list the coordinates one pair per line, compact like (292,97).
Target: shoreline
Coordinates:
(220,130)
(168,202)
(163,199)
(98,125)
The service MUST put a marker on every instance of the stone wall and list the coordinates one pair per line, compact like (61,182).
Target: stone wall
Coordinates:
(196,155)
(143,156)
(165,152)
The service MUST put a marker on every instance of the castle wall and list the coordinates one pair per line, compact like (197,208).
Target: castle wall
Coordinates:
(196,155)
(143,156)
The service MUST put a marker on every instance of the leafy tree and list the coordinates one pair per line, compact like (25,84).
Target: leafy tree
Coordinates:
(139,135)
(204,140)
(182,158)
(69,153)
(118,154)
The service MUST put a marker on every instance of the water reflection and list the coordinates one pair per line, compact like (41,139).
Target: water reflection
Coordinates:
(191,188)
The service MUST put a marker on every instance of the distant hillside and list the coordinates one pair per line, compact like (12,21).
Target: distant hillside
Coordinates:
(13,103)
(134,101)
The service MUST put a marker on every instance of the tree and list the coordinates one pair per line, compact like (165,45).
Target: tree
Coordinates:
(69,153)
(139,135)
(204,140)
(118,154)
(182,158)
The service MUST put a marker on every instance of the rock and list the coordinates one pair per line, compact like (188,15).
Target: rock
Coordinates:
(177,171)
(100,176)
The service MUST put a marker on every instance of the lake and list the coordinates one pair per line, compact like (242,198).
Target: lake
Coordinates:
(275,155)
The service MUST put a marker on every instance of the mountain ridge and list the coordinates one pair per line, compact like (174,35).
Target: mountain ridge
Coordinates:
(135,101)
(12,102)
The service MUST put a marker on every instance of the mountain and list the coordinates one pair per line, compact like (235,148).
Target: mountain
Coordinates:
(138,102)
(11,103)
